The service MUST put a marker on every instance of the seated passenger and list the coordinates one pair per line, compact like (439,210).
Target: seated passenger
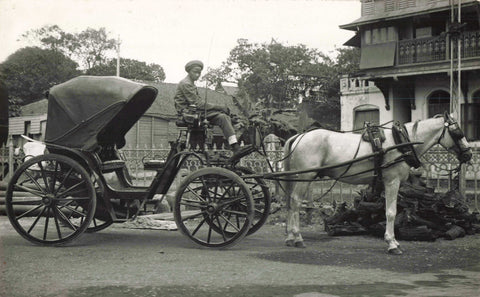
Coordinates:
(187,95)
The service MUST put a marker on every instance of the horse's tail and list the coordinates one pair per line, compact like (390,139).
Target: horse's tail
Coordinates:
(287,186)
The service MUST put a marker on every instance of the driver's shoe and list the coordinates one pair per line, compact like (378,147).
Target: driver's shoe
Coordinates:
(240,152)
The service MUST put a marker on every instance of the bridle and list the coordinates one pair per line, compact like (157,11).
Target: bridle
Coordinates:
(457,135)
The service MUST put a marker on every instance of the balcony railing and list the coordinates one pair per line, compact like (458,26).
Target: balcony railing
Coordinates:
(437,48)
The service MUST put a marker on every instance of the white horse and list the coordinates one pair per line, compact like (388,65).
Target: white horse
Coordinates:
(320,148)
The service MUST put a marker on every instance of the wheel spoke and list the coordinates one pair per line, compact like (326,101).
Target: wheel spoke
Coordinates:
(190,190)
(192,216)
(238,213)
(209,233)
(28,212)
(56,222)
(64,180)
(65,205)
(29,190)
(226,191)
(75,211)
(226,223)
(34,181)
(46,224)
(52,188)
(230,223)
(198,204)
(205,187)
(43,174)
(220,226)
(36,220)
(198,227)
(71,188)
(67,220)
(231,201)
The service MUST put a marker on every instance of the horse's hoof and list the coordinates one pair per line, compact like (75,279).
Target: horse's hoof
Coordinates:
(300,244)
(395,251)
(289,242)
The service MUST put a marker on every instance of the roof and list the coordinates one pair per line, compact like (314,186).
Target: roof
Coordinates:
(163,106)
(35,108)
(431,7)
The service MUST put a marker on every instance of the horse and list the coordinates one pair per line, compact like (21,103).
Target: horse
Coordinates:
(322,148)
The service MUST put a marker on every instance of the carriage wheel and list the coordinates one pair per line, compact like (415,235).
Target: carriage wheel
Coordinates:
(214,207)
(50,200)
(261,198)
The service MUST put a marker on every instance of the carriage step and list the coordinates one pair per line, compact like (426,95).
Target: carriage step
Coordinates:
(112,165)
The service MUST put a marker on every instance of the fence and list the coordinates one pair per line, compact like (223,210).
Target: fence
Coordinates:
(437,165)
(8,161)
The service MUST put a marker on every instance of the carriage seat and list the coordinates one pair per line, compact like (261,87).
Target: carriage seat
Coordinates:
(112,165)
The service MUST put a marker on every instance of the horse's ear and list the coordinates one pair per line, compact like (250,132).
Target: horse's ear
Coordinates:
(447,116)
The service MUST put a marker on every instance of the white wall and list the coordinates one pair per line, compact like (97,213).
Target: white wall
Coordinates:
(355,93)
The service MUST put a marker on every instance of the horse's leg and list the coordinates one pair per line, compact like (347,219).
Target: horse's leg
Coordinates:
(294,238)
(391,192)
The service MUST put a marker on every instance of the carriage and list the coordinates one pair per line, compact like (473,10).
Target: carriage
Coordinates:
(83,185)
(70,189)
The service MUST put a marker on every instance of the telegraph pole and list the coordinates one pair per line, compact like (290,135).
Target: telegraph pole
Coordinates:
(456,76)
(118,55)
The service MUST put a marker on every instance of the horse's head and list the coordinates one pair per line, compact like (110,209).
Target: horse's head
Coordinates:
(453,139)
(257,128)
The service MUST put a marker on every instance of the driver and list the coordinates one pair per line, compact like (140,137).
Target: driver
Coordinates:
(187,95)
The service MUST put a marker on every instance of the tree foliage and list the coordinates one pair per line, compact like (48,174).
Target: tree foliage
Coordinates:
(131,69)
(89,48)
(278,76)
(30,72)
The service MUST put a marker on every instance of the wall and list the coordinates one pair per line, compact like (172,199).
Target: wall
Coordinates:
(355,92)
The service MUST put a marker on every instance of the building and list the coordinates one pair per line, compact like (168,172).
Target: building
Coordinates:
(408,51)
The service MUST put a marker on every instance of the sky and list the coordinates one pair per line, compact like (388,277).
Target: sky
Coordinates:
(171,33)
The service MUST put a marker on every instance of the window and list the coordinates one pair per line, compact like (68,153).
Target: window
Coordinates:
(379,35)
(365,113)
(438,103)
(27,125)
(470,118)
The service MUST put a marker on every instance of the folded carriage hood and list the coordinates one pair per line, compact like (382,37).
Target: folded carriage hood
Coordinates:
(90,110)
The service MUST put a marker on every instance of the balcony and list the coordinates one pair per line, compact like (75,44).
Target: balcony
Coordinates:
(434,49)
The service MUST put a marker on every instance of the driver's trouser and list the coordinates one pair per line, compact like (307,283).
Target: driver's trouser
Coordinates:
(225,123)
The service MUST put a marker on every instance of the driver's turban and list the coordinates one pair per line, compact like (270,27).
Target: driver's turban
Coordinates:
(194,63)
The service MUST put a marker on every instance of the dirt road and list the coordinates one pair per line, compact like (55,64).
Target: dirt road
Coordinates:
(134,262)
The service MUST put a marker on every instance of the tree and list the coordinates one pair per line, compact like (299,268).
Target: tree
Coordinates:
(89,48)
(275,75)
(131,69)
(30,72)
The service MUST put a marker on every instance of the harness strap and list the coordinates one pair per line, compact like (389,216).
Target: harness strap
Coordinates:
(400,135)
(376,137)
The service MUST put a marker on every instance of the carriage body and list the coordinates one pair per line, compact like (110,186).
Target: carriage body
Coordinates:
(70,191)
